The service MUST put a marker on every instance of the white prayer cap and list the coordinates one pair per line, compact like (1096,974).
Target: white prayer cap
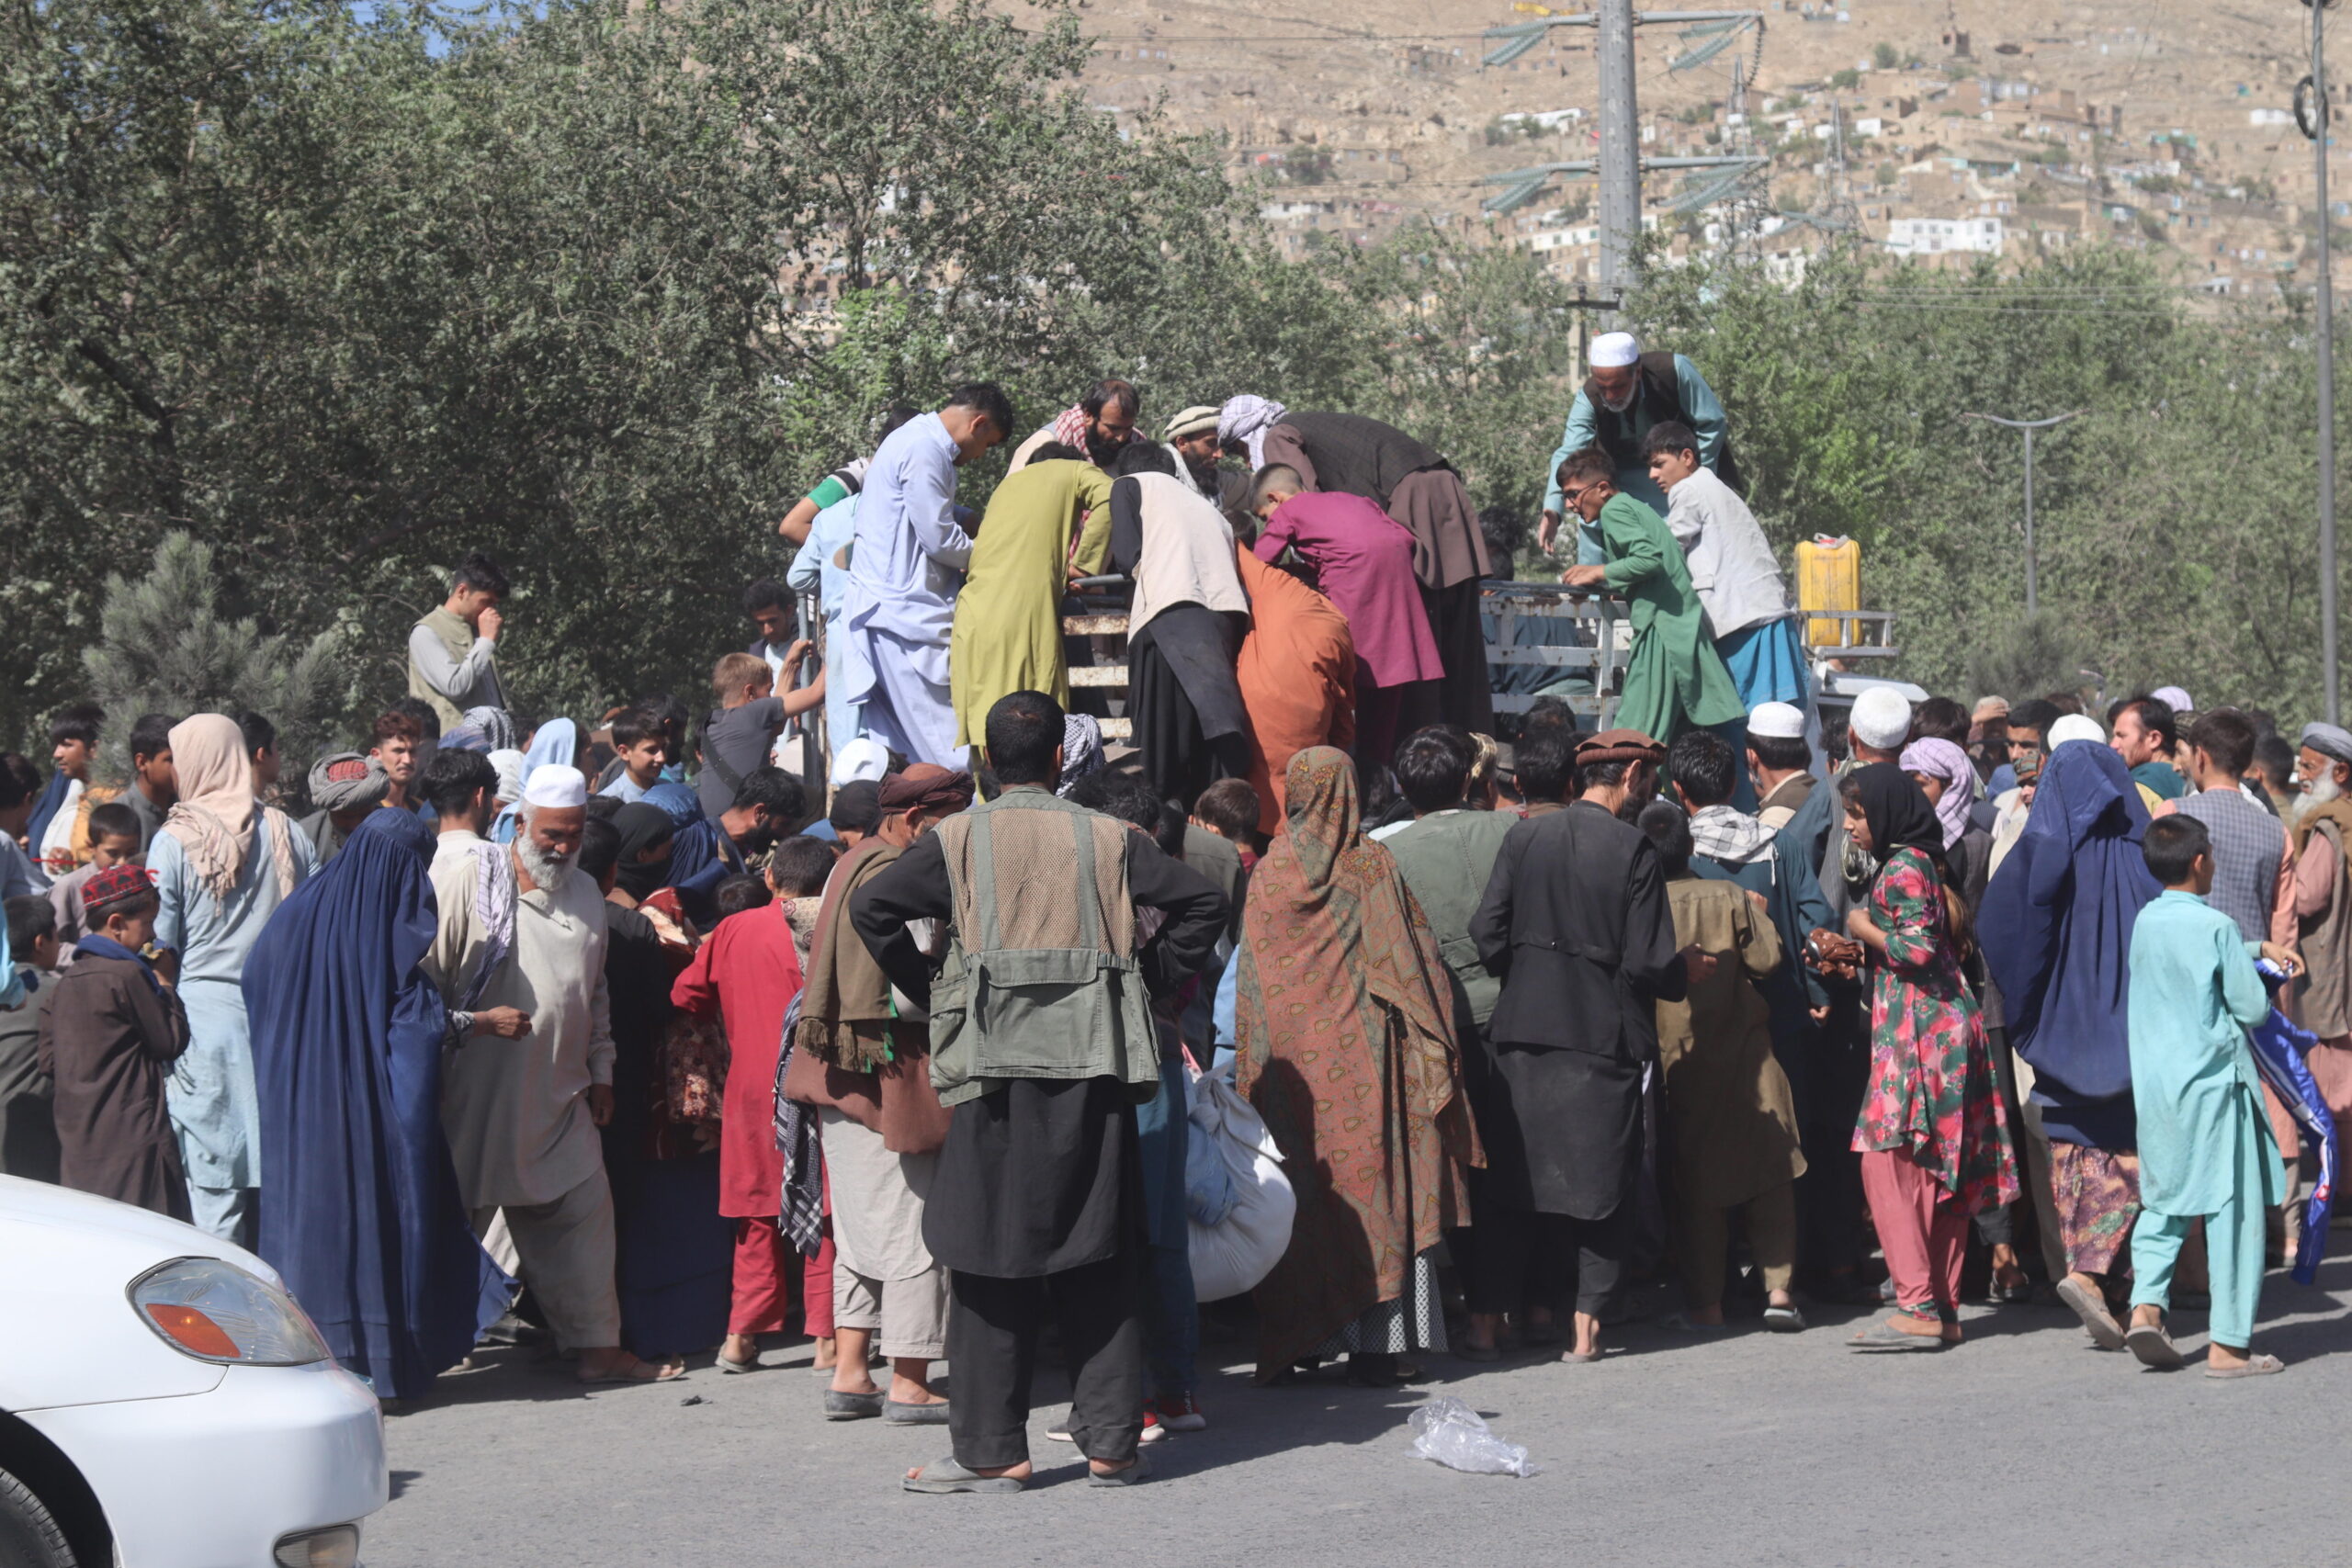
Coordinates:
(1882,718)
(2075,727)
(1777,721)
(1612,351)
(2173,698)
(554,786)
(864,758)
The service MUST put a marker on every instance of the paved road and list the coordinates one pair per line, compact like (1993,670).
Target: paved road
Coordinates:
(2023,1442)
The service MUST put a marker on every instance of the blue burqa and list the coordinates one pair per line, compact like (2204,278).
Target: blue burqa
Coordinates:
(700,857)
(364,1218)
(2056,930)
(2279,1053)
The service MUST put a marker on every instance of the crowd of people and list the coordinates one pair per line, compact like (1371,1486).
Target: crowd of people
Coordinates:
(618,1039)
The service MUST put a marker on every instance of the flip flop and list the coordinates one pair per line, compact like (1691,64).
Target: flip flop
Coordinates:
(945,1475)
(2091,1307)
(2255,1366)
(1883,1336)
(1580,1355)
(900,1414)
(2154,1347)
(626,1372)
(1135,1475)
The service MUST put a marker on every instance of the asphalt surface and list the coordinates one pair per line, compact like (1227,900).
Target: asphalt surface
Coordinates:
(2023,1443)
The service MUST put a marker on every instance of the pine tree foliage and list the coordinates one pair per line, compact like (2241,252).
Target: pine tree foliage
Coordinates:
(164,646)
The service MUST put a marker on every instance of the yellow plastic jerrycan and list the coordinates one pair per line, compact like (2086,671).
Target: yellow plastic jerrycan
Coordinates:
(1829,577)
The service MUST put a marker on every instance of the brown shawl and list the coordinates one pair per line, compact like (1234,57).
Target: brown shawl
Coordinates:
(847,1055)
(845,986)
(1345,1030)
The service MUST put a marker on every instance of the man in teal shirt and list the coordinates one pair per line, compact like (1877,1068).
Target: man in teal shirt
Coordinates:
(2206,1148)
(1628,393)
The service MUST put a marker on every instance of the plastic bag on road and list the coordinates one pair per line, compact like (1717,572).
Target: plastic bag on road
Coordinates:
(1457,1436)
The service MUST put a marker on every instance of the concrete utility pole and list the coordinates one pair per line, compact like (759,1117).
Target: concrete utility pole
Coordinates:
(2326,304)
(1621,146)
(2029,426)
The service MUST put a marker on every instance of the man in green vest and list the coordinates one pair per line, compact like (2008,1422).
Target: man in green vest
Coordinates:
(1061,924)
(453,652)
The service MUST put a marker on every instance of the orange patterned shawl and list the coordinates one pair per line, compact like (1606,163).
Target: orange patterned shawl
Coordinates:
(1347,1047)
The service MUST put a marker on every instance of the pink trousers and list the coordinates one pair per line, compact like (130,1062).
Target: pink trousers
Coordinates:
(1923,1234)
(762,1261)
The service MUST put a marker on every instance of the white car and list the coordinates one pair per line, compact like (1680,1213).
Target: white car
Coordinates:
(163,1404)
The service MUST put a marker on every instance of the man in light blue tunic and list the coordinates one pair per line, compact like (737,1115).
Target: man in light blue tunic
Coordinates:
(222,863)
(819,564)
(907,558)
(2206,1148)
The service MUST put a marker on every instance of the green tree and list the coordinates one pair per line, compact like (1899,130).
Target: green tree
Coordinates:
(166,646)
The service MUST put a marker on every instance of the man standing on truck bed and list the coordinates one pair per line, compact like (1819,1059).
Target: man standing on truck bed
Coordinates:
(1627,395)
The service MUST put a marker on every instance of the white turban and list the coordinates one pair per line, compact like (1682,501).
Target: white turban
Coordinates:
(1777,721)
(553,784)
(2075,727)
(1882,718)
(508,764)
(1613,351)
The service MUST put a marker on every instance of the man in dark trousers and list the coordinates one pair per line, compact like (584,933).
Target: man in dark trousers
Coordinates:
(1043,1045)
(1575,922)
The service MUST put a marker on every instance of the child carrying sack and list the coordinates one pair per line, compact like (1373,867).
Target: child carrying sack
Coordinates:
(1238,1203)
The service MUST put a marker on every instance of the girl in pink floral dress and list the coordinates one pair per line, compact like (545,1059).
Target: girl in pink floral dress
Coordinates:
(1933,1136)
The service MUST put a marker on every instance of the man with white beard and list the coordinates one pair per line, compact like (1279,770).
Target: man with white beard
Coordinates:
(2322,825)
(1628,395)
(521,1110)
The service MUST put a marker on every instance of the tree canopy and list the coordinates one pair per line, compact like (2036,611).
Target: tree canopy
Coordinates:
(601,287)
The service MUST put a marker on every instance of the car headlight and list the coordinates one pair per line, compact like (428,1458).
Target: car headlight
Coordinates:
(214,1310)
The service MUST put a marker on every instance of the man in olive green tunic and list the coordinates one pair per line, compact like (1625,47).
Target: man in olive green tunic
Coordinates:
(1675,681)
(1008,634)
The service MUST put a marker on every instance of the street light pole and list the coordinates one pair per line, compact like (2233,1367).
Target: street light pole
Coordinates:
(2030,426)
(2326,303)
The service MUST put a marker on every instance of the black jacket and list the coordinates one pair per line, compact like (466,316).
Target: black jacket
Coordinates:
(1575,922)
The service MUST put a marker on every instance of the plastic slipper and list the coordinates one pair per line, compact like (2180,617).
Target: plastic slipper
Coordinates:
(727,1366)
(900,1414)
(2154,1347)
(2091,1307)
(839,1407)
(1886,1337)
(1135,1475)
(1784,1320)
(1580,1355)
(945,1475)
(2255,1366)
(626,1372)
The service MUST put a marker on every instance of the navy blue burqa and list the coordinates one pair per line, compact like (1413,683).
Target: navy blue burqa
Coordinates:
(2056,930)
(364,1218)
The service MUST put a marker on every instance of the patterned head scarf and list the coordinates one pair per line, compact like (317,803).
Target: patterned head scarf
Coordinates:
(346,782)
(1081,750)
(1245,419)
(215,816)
(496,726)
(1940,759)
